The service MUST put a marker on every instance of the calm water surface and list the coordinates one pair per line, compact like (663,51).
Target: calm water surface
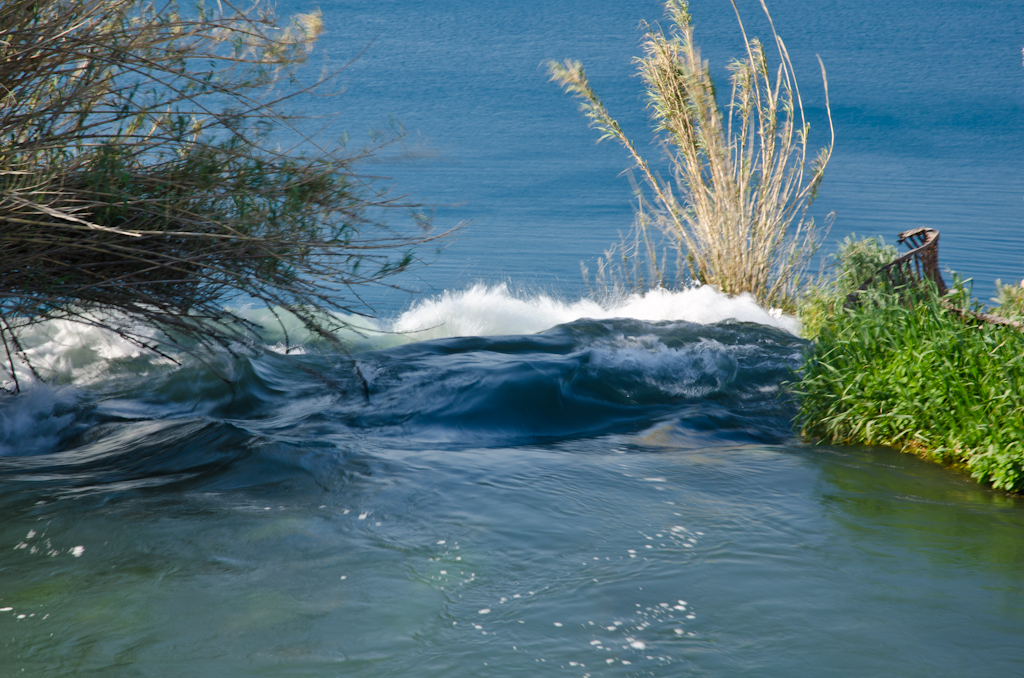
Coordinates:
(927,100)
(533,484)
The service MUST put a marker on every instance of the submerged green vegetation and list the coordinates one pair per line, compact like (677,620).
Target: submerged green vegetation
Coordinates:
(900,368)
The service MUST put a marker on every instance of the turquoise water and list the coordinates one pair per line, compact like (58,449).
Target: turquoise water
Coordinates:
(532,483)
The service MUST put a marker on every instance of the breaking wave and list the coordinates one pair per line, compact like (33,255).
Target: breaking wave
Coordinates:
(477,367)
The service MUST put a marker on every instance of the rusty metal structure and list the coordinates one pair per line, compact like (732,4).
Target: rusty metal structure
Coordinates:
(922,263)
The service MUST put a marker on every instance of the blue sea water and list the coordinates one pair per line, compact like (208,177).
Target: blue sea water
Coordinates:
(520,480)
(927,100)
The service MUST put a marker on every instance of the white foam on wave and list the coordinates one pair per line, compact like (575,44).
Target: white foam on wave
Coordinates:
(67,355)
(65,351)
(693,371)
(33,422)
(74,353)
(493,310)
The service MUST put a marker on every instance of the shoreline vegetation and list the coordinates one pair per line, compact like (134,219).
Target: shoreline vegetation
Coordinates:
(910,367)
(908,364)
(151,174)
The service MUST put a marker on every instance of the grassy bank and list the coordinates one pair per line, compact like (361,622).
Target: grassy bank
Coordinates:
(898,368)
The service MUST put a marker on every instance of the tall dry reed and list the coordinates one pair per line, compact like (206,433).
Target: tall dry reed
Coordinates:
(734,215)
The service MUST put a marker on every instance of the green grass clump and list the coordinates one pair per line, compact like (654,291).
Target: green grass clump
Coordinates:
(855,262)
(900,369)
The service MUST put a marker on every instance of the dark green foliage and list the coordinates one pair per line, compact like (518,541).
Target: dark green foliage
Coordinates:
(900,369)
(855,262)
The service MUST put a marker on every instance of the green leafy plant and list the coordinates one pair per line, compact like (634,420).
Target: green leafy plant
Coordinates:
(854,262)
(899,368)
(734,216)
(150,174)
